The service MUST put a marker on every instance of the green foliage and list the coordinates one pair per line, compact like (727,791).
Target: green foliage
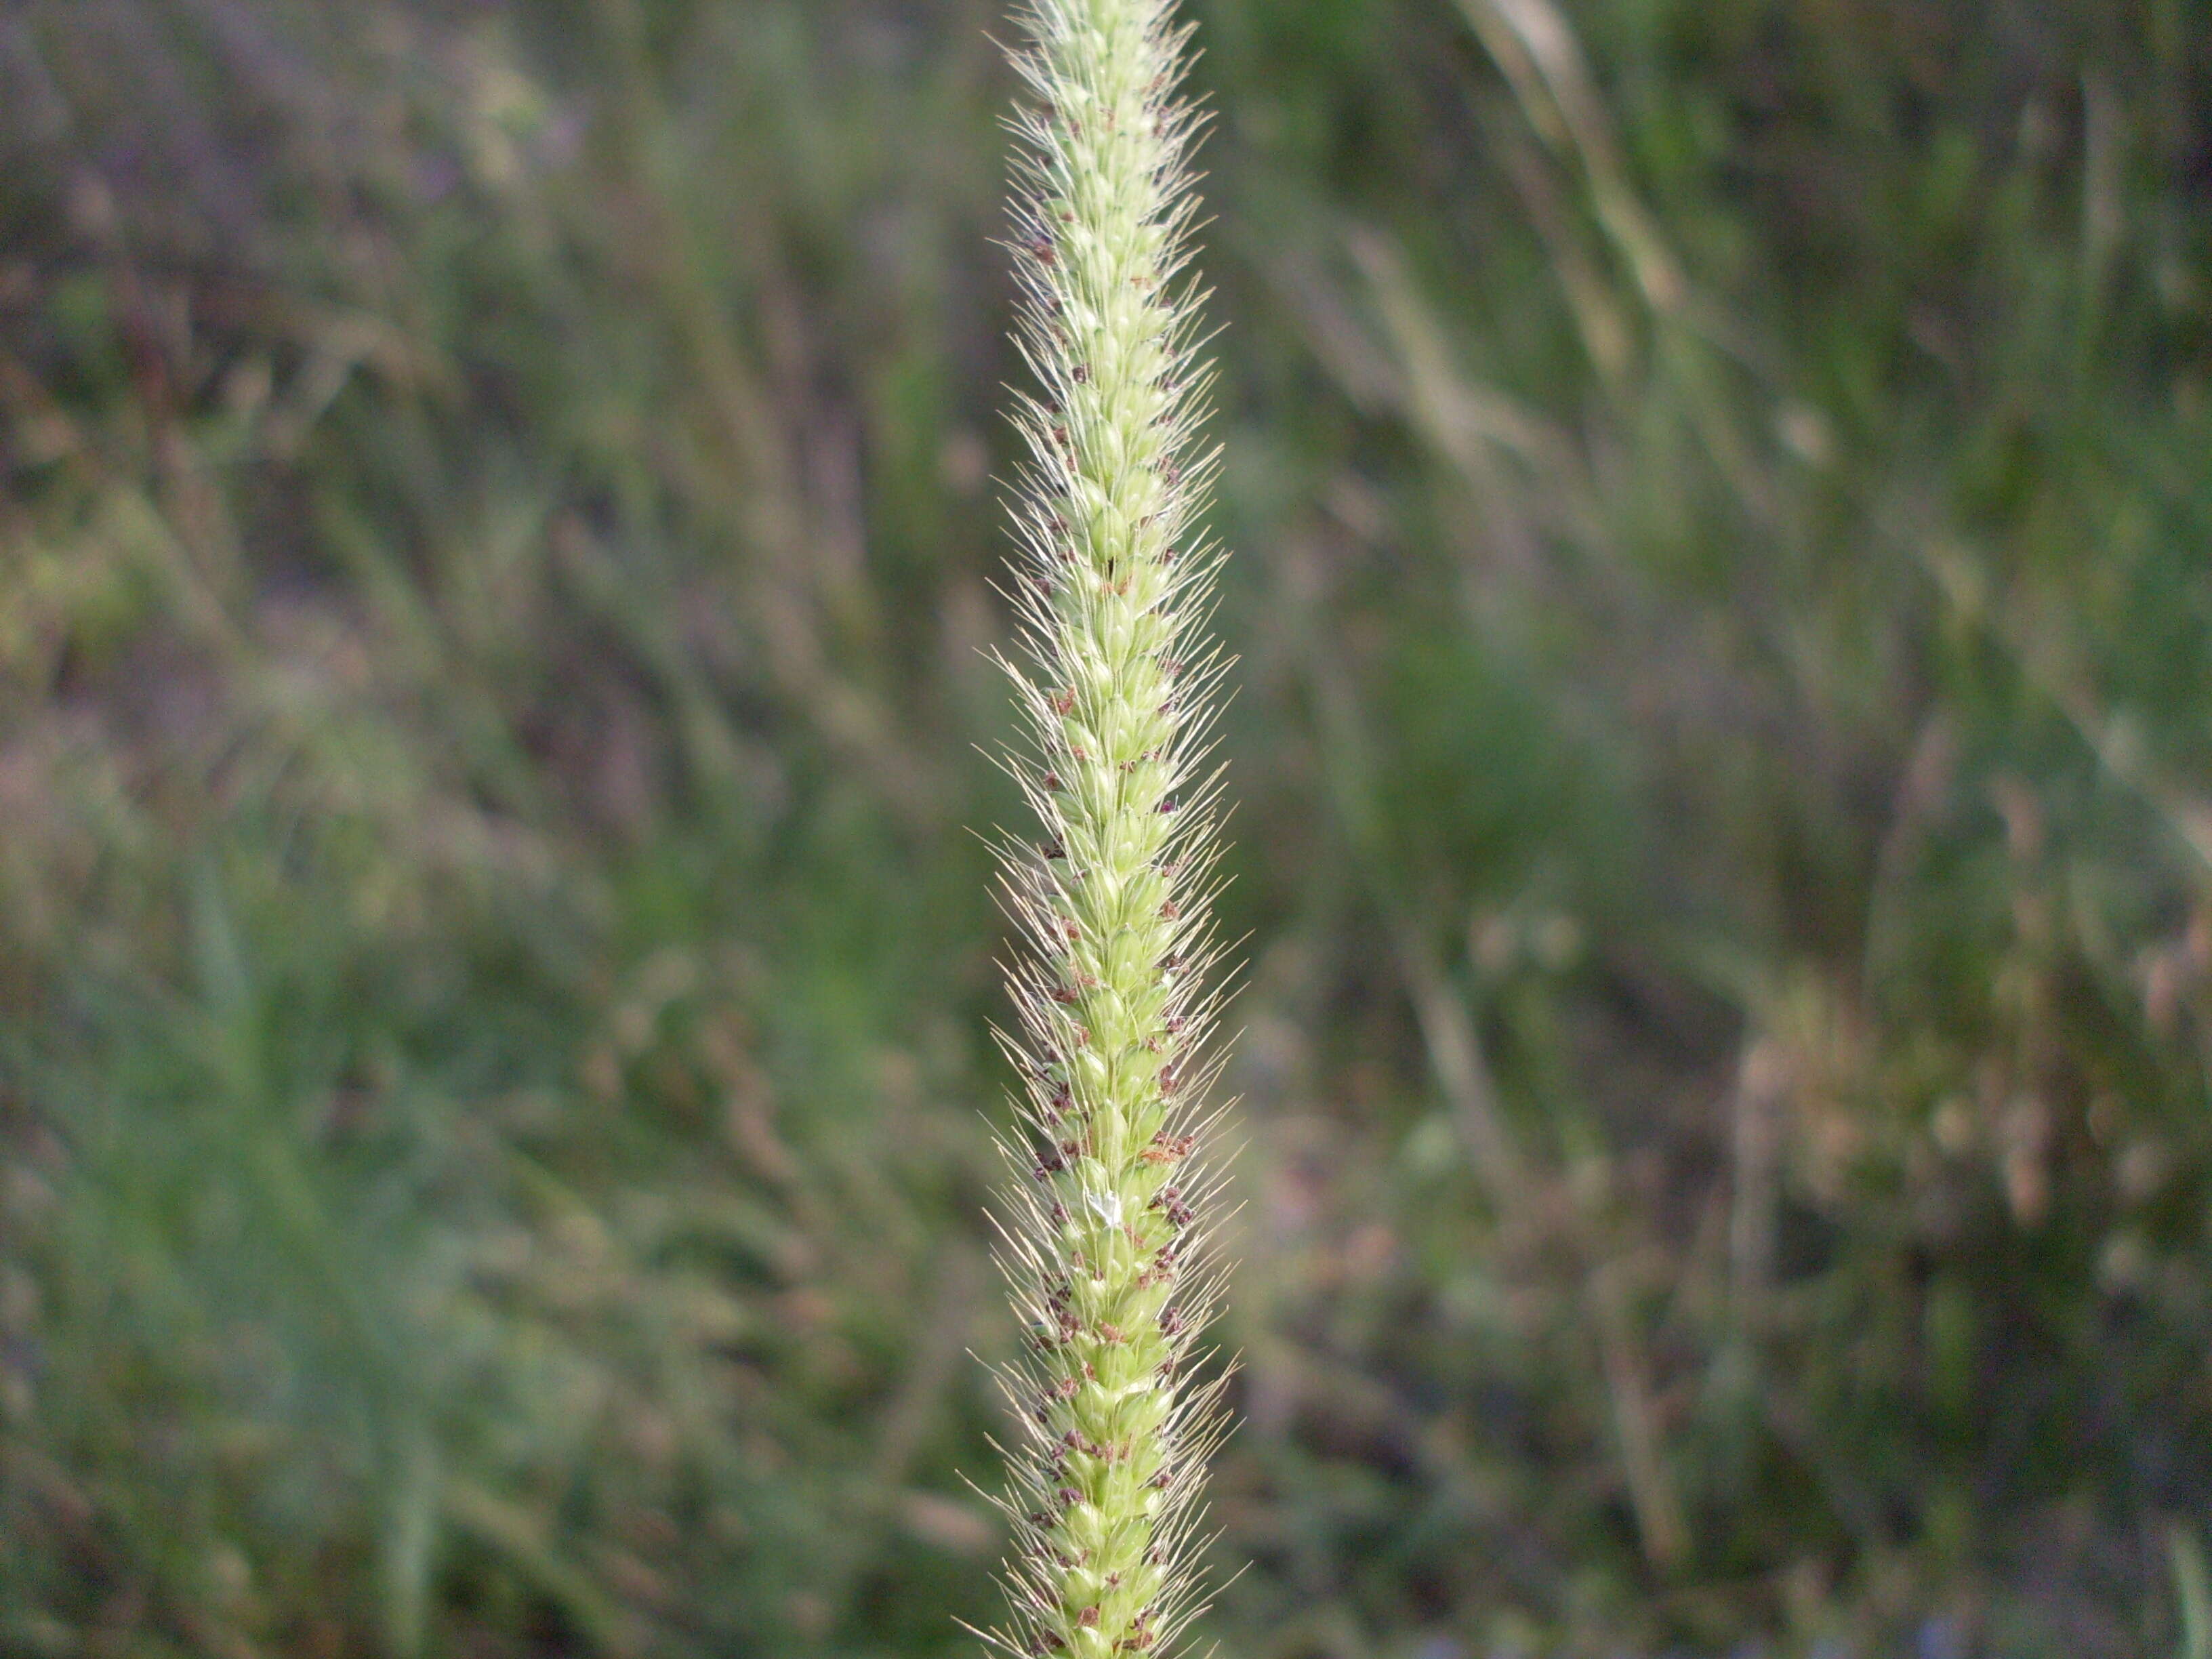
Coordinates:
(495,554)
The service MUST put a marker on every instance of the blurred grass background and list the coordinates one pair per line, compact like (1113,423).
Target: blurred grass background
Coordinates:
(494,969)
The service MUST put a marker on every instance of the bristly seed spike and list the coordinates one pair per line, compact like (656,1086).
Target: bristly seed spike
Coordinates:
(1104,1246)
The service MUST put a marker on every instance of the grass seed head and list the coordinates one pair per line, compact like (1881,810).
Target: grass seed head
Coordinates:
(1110,1010)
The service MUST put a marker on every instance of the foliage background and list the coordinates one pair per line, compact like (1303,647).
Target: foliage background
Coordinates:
(494,969)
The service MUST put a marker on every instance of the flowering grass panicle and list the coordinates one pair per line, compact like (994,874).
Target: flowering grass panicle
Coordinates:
(1106,1234)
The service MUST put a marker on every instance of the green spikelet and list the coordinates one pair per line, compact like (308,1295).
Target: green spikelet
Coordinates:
(1106,1240)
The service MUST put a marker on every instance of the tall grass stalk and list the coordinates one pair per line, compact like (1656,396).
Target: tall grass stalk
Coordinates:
(1104,1227)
